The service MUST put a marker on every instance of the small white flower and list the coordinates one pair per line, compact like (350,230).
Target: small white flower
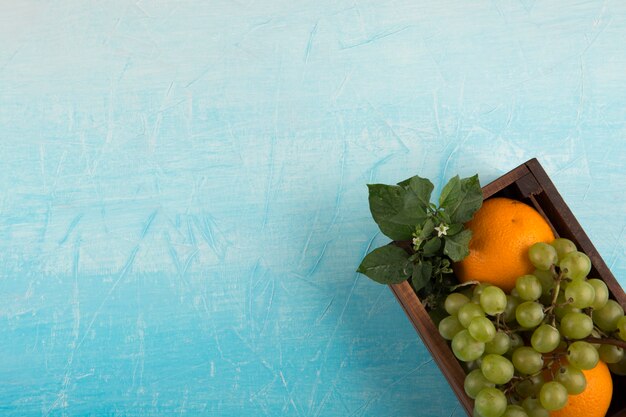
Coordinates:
(417,241)
(442,230)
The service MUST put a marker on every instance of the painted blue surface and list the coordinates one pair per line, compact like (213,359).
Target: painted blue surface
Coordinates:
(183,201)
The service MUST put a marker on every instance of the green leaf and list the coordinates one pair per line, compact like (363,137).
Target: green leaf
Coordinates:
(450,191)
(427,228)
(387,265)
(416,199)
(422,272)
(460,198)
(432,247)
(386,202)
(454,229)
(410,215)
(416,256)
(444,217)
(457,246)
(418,189)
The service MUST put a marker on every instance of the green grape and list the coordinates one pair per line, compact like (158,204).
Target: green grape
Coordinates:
(562,311)
(581,294)
(582,355)
(533,408)
(475,381)
(466,348)
(546,279)
(572,379)
(621,327)
(455,301)
(576,325)
(514,411)
(607,317)
(509,312)
(545,338)
(538,412)
(468,312)
(529,314)
(499,345)
(490,402)
(601,293)
(575,265)
(482,329)
(497,369)
(619,368)
(478,290)
(449,327)
(493,300)
(516,341)
(563,247)
(527,360)
(553,396)
(542,256)
(610,353)
(530,386)
(471,365)
(528,287)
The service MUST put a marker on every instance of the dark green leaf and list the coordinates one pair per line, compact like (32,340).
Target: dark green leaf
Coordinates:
(418,189)
(410,215)
(432,247)
(450,191)
(422,273)
(454,229)
(445,217)
(460,198)
(427,228)
(457,246)
(386,202)
(416,256)
(387,265)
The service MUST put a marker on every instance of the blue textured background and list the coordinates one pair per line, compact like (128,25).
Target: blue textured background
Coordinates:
(183,200)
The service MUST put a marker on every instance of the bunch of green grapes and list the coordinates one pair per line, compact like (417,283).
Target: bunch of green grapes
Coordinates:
(525,351)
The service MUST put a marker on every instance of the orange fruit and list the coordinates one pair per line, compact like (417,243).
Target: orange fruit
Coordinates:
(595,399)
(502,232)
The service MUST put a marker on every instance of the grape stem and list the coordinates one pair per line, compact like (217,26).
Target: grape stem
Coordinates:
(600,332)
(557,278)
(557,355)
(608,341)
(512,385)
(565,303)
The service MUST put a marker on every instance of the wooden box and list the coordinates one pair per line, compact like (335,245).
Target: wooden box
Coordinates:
(528,183)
